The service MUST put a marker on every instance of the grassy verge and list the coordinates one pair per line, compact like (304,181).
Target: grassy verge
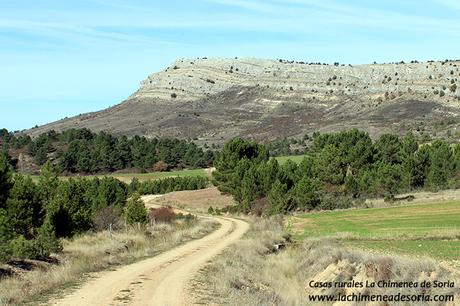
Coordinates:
(252,273)
(424,230)
(97,252)
(295,158)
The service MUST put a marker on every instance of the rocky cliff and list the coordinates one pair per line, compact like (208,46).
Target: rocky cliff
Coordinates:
(214,99)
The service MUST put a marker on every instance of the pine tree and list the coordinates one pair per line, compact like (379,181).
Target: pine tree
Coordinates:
(5,180)
(134,186)
(409,161)
(278,199)
(388,149)
(135,211)
(389,178)
(48,183)
(329,166)
(46,241)
(421,167)
(305,194)
(227,161)
(442,165)
(5,236)
(351,186)
(268,174)
(24,207)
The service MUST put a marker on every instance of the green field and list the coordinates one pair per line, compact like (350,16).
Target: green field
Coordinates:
(159,175)
(127,177)
(295,158)
(422,229)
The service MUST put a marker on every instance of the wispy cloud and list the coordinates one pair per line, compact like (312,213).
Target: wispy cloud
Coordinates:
(257,6)
(452,4)
(327,14)
(66,31)
(100,38)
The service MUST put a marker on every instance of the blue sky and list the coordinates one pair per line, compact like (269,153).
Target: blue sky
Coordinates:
(61,58)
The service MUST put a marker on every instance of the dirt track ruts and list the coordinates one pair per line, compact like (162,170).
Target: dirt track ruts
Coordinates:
(159,280)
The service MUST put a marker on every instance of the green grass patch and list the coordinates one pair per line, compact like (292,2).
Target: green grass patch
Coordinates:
(159,175)
(295,158)
(127,177)
(423,229)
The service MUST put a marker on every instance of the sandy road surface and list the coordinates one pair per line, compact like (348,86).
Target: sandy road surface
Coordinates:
(160,280)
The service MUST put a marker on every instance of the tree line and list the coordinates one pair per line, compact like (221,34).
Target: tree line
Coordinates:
(82,151)
(337,169)
(34,215)
(169,184)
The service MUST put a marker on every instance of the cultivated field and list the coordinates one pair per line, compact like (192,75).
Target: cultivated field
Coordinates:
(254,273)
(431,229)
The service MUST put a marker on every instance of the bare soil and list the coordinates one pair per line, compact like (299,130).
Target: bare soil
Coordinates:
(193,201)
(163,279)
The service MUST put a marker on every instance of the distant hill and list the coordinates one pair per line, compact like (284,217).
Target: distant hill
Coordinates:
(211,100)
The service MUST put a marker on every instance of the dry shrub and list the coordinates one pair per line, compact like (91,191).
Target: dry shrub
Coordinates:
(259,206)
(162,214)
(379,268)
(107,218)
(160,166)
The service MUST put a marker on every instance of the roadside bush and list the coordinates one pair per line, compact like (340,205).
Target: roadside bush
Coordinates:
(259,206)
(329,202)
(160,166)
(46,241)
(187,217)
(211,210)
(23,248)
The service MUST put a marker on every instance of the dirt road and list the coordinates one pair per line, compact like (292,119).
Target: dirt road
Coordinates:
(160,280)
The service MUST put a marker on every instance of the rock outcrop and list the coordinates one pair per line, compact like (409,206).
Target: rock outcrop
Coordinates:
(211,100)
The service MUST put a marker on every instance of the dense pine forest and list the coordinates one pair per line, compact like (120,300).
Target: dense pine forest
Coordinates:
(35,214)
(337,171)
(82,151)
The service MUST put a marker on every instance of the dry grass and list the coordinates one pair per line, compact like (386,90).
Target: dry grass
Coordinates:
(96,252)
(420,197)
(250,273)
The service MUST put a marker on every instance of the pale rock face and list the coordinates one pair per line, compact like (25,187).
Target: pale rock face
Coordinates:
(212,100)
(192,79)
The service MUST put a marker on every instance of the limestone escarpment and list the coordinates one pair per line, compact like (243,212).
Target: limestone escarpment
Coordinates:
(214,99)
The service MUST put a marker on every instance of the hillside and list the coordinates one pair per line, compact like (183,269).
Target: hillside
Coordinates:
(216,99)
